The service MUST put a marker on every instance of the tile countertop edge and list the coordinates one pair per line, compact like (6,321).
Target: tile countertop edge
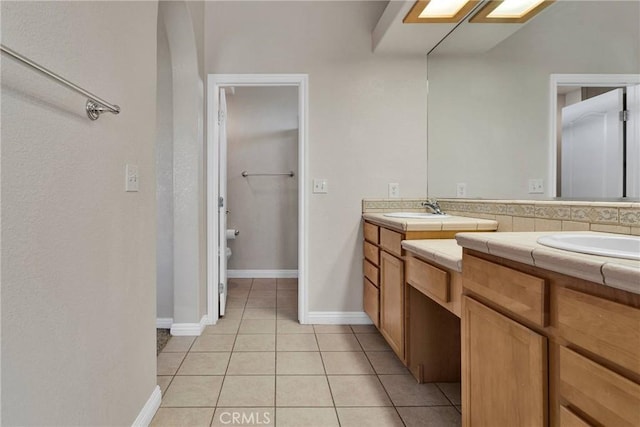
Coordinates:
(612,272)
(444,252)
(449,223)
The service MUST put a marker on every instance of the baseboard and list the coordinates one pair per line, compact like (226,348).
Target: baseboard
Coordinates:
(338,318)
(149,409)
(189,329)
(262,274)
(164,322)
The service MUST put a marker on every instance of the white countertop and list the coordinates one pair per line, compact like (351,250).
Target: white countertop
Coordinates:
(449,223)
(445,252)
(523,247)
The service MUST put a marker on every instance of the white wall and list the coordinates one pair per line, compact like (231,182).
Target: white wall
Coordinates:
(489,113)
(262,130)
(367,118)
(78,252)
(164,177)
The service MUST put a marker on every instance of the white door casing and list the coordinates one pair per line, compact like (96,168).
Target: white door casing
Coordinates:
(222,203)
(633,141)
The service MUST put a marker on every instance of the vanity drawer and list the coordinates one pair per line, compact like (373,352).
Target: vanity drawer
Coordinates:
(371,232)
(519,293)
(603,327)
(430,280)
(371,272)
(603,395)
(371,302)
(391,241)
(371,253)
(569,419)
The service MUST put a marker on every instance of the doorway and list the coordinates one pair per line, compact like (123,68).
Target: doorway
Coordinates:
(261,174)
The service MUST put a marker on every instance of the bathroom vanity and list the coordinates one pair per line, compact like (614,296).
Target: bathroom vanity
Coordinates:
(384,291)
(549,337)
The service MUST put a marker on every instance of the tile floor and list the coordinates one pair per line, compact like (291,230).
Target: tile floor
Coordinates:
(259,366)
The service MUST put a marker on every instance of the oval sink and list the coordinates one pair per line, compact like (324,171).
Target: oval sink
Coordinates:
(627,247)
(415,215)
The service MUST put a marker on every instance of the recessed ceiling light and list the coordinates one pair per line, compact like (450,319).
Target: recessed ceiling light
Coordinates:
(509,11)
(434,11)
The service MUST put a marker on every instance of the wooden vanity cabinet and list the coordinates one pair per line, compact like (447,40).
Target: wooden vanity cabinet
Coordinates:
(542,348)
(392,302)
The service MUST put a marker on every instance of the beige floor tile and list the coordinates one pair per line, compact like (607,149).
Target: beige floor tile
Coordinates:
(240,283)
(290,313)
(299,363)
(192,391)
(287,284)
(405,391)
(302,391)
(289,326)
(213,343)
(373,342)
(346,363)
(257,342)
(244,417)
(459,408)
(360,417)
(364,329)
(264,284)
(182,417)
(255,302)
(386,362)
(233,313)
(238,293)
(257,326)
(168,363)
(204,364)
(297,342)
(436,416)
(307,417)
(259,313)
(236,302)
(287,302)
(178,345)
(332,329)
(163,381)
(358,390)
(452,391)
(252,363)
(248,391)
(224,326)
(255,293)
(338,342)
(292,293)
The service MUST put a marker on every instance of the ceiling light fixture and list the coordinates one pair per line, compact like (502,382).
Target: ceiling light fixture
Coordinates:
(509,11)
(439,11)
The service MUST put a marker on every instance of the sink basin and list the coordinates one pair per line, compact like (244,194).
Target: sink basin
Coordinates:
(415,215)
(627,247)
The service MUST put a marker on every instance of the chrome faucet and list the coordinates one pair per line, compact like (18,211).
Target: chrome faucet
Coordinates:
(433,205)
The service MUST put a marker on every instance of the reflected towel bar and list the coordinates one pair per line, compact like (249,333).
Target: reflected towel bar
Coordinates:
(95,105)
(289,174)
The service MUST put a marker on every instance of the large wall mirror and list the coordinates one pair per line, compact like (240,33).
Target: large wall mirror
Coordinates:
(492,110)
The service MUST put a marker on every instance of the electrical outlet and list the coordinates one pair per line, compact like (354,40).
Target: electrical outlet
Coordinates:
(536,186)
(394,190)
(320,186)
(461,190)
(132,179)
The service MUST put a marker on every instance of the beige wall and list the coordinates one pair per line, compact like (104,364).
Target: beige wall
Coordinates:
(262,129)
(367,118)
(489,113)
(78,252)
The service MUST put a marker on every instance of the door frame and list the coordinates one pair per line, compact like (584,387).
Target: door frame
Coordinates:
(214,83)
(578,80)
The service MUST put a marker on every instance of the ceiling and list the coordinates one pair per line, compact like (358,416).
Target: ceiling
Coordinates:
(392,36)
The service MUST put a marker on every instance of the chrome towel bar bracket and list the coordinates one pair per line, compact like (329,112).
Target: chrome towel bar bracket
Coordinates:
(289,174)
(95,105)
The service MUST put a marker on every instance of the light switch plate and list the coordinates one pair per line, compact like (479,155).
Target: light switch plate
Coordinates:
(461,190)
(132,178)
(536,186)
(320,186)
(394,190)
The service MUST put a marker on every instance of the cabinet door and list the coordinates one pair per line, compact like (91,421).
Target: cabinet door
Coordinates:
(504,370)
(392,301)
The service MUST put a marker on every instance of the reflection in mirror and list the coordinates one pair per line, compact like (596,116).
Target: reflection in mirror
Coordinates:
(489,123)
(595,135)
